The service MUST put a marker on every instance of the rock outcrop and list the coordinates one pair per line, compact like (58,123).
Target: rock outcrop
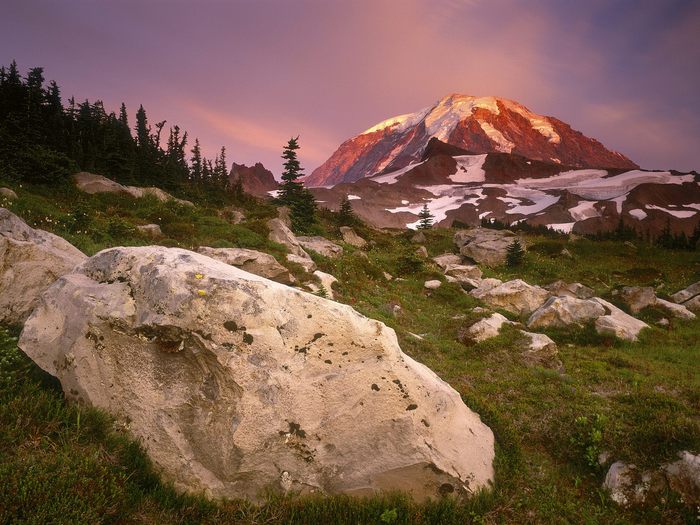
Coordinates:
(576,290)
(638,297)
(281,234)
(236,384)
(30,260)
(351,238)
(514,296)
(321,245)
(483,329)
(541,350)
(565,310)
(253,261)
(92,183)
(255,180)
(618,323)
(485,246)
(444,260)
(689,297)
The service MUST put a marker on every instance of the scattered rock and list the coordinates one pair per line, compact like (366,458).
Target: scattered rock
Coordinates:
(422,252)
(577,290)
(231,214)
(628,486)
(253,261)
(444,260)
(566,253)
(92,183)
(565,310)
(461,272)
(321,245)
(693,303)
(351,238)
(327,281)
(387,276)
(483,329)
(663,322)
(683,477)
(281,234)
(230,381)
(484,285)
(485,246)
(150,230)
(8,194)
(677,310)
(638,297)
(432,284)
(514,296)
(618,323)
(541,350)
(686,294)
(30,260)
(305,262)
(393,309)
(418,238)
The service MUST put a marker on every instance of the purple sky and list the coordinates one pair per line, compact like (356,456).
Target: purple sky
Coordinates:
(250,74)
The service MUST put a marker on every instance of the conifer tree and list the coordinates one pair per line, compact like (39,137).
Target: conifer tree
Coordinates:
(220,170)
(196,163)
(291,189)
(346,215)
(426,218)
(514,254)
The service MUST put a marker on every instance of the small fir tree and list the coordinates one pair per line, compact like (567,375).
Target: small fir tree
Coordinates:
(426,218)
(515,254)
(346,215)
(291,188)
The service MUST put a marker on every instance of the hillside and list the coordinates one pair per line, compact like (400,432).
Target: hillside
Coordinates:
(464,188)
(635,401)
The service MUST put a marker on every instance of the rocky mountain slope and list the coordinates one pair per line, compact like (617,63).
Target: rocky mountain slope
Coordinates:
(476,124)
(256,179)
(460,186)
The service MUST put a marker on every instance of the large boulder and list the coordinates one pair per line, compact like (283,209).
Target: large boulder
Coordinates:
(351,238)
(565,310)
(92,183)
(30,260)
(236,384)
(321,245)
(638,297)
(629,485)
(485,246)
(253,261)
(618,323)
(514,296)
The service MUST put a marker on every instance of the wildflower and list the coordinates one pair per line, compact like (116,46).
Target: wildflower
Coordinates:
(201,293)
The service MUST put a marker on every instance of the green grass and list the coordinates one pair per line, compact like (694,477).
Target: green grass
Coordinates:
(62,463)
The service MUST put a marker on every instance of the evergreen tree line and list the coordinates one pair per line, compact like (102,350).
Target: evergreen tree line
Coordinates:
(43,141)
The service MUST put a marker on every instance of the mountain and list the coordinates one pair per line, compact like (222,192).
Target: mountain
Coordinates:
(476,124)
(256,180)
(458,185)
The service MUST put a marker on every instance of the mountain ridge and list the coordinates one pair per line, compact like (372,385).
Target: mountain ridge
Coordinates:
(476,124)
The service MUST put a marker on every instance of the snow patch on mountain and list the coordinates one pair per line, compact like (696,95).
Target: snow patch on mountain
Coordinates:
(470,168)
(681,214)
(638,214)
(392,176)
(584,210)
(502,143)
